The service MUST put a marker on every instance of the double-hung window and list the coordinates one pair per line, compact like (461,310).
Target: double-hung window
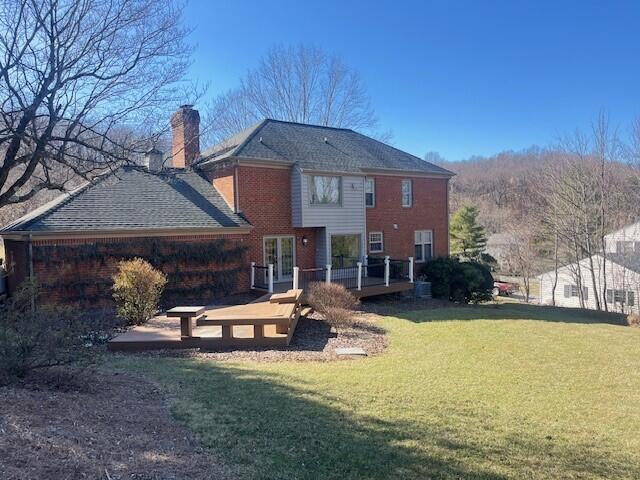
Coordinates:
(621,297)
(369,192)
(326,190)
(407,193)
(573,291)
(423,245)
(376,243)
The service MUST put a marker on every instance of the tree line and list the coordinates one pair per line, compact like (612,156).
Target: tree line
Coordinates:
(555,205)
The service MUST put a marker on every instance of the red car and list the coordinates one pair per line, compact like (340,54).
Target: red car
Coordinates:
(504,288)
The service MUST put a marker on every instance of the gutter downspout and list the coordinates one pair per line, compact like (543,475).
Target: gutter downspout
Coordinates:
(236,194)
(33,299)
(30,258)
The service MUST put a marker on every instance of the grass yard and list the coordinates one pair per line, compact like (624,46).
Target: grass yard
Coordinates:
(508,391)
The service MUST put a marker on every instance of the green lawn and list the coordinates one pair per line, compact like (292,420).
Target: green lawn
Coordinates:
(490,392)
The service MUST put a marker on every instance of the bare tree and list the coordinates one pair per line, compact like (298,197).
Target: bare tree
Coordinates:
(297,84)
(77,79)
(521,254)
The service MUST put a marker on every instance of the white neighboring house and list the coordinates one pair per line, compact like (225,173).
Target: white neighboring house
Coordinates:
(620,266)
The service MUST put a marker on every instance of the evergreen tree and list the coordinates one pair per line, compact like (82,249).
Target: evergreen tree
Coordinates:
(468,238)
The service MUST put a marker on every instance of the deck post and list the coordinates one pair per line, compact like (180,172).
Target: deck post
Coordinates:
(271,278)
(386,271)
(296,274)
(253,275)
(328,279)
(359,275)
(410,269)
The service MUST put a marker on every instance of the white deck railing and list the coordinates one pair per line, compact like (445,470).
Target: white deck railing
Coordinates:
(352,277)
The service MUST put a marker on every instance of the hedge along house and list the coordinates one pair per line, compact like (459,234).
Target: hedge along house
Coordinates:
(279,193)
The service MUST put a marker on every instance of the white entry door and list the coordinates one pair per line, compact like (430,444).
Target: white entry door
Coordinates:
(280,251)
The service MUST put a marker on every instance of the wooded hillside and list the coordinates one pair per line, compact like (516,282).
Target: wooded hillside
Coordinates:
(507,187)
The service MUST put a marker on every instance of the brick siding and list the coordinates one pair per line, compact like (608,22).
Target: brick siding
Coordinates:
(60,269)
(265,200)
(429,211)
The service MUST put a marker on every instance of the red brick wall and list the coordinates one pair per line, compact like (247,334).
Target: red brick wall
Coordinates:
(225,184)
(428,212)
(265,199)
(57,270)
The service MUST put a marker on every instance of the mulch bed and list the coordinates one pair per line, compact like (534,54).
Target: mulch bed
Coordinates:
(95,425)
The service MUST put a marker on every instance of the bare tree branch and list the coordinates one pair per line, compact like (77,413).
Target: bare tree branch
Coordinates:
(79,81)
(300,84)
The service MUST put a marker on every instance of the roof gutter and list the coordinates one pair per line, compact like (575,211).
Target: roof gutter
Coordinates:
(124,233)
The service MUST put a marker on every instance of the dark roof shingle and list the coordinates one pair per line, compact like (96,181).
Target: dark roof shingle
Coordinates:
(316,147)
(134,199)
(628,261)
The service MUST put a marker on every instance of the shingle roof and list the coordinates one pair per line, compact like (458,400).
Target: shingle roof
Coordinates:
(628,261)
(134,199)
(316,147)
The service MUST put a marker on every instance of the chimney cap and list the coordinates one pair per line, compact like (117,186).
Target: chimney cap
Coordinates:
(186,106)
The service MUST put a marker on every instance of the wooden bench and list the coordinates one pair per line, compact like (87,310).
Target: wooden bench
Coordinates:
(186,315)
(284,315)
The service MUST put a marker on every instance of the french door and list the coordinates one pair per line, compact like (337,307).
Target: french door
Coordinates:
(280,251)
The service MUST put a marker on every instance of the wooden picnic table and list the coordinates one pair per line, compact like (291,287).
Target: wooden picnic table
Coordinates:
(186,314)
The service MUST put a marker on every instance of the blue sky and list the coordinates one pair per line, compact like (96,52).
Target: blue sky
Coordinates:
(457,77)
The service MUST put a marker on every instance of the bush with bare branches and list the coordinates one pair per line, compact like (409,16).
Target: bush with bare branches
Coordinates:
(36,336)
(333,301)
(633,320)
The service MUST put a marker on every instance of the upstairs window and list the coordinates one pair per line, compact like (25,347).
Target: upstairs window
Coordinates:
(407,193)
(626,247)
(369,192)
(376,244)
(423,245)
(326,190)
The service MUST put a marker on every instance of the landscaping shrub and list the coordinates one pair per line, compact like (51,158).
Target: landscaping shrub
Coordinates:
(137,288)
(633,319)
(39,336)
(459,281)
(333,301)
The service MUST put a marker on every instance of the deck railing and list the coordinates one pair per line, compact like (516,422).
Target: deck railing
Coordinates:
(306,276)
(374,271)
(262,277)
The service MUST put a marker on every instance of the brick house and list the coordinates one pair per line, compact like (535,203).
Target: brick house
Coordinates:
(279,193)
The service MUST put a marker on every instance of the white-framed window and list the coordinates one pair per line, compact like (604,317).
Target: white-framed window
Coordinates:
(326,190)
(407,193)
(376,242)
(423,245)
(369,192)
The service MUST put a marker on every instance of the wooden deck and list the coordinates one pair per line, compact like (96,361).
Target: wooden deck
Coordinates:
(261,324)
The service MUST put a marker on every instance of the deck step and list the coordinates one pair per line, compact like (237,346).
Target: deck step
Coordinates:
(306,311)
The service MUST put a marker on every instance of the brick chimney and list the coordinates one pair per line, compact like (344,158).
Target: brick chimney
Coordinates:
(185,127)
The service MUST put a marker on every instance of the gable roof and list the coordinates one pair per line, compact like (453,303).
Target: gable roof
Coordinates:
(315,147)
(628,261)
(133,199)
